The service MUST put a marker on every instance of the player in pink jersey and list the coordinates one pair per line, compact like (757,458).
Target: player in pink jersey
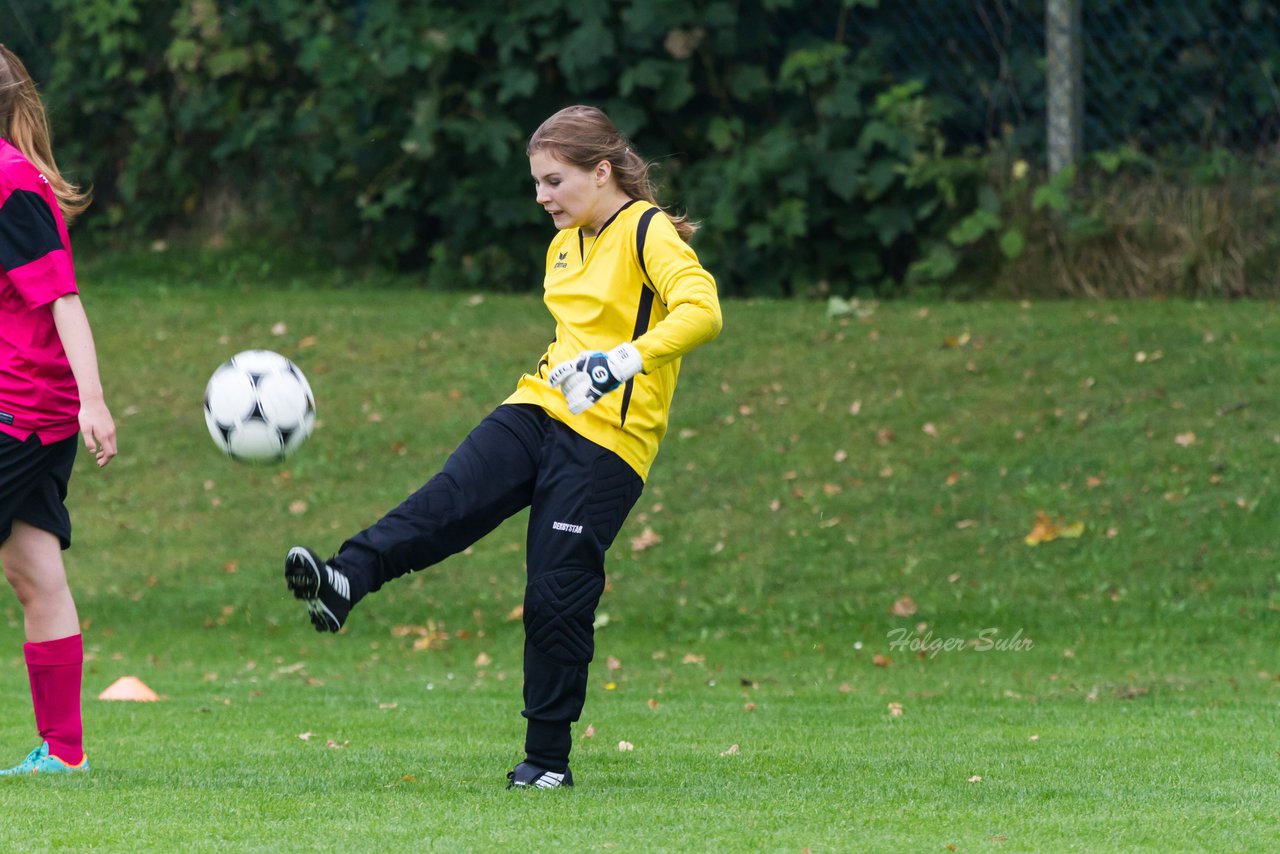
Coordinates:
(49,392)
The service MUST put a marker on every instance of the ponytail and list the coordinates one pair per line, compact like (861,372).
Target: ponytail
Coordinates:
(24,124)
(633,174)
(584,136)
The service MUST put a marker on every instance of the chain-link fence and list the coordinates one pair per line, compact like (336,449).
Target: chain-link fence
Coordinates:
(1163,77)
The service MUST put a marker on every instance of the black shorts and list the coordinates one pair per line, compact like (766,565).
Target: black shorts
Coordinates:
(33,485)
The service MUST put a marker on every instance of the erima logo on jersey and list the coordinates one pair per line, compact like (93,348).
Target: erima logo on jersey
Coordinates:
(565,526)
(561,264)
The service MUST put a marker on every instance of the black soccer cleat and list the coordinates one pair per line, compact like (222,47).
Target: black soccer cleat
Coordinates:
(528,776)
(326,591)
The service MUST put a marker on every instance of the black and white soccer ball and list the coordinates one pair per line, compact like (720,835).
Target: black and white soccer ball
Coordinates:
(259,407)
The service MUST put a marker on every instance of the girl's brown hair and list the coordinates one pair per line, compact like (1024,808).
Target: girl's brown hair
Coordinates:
(24,124)
(583,136)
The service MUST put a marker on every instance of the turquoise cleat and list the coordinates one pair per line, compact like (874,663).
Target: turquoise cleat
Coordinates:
(39,761)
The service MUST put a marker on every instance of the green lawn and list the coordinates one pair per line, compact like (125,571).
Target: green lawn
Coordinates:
(822,473)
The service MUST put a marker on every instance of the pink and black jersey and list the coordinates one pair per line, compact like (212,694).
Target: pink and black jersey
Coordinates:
(37,389)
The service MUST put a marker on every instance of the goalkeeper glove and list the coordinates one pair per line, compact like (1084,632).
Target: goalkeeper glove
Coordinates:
(593,374)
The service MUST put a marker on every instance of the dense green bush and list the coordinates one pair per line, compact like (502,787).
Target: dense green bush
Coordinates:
(393,130)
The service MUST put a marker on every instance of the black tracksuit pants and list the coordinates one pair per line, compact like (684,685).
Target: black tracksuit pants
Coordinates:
(578,493)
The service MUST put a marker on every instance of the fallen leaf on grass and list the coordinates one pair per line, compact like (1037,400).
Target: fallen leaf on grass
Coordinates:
(305,736)
(731,751)
(333,745)
(904,607)
(625,746)
(590,731)
(613,663)
(692,658)
(1045,529)
(483,660)
(646,539)
(881,660)
(975,779)
(653,704)
(895,710)
(430,636)
(1186,440)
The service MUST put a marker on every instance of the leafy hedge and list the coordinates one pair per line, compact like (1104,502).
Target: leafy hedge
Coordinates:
(394,130)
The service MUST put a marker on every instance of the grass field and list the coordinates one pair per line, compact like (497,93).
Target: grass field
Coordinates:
(841,642)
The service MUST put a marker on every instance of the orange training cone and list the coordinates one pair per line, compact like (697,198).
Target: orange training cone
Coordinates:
(129,688)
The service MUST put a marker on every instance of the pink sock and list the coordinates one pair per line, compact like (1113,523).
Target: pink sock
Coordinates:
(54,668)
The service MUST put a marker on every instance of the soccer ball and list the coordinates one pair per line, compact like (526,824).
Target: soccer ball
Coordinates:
(259,407)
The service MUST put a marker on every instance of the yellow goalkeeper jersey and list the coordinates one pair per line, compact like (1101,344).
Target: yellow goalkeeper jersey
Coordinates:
(638,281)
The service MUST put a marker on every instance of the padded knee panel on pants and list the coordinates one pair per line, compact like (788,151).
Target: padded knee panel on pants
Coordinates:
(559,609)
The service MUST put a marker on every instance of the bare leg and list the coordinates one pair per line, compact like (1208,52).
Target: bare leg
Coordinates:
(32,560)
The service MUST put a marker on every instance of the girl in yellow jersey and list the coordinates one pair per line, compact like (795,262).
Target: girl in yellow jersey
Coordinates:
(573,443)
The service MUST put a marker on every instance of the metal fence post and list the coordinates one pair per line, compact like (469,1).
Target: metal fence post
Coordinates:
(1065,101)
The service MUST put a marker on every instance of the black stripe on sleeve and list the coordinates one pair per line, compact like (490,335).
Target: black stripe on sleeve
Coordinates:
(645,309)
(28,230)
(642,231)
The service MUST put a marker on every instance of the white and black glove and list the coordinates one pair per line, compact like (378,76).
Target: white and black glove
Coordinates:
(593,374)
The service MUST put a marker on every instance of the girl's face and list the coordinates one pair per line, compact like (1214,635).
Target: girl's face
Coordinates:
(570,194)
